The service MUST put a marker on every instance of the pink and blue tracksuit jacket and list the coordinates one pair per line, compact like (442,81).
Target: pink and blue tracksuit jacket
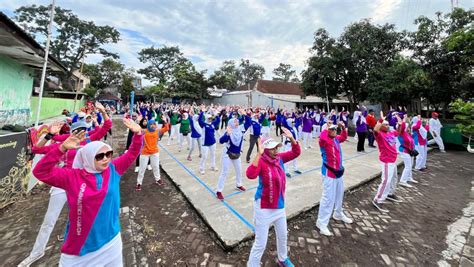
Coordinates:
(93,199)
(272,179)
(417,137)
(331,152)
(406,141)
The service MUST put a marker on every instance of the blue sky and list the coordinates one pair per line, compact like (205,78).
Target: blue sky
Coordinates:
(266,32)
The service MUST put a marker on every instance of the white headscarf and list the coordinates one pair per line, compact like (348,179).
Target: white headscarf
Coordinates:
(236,135)
(85,157)
(358,114)
(197,127)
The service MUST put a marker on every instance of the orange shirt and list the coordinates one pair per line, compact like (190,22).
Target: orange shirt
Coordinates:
(150,145)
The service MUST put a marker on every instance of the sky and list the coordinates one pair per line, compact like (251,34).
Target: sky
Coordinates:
(267,32)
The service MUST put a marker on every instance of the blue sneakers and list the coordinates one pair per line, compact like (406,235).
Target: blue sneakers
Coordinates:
(286,263)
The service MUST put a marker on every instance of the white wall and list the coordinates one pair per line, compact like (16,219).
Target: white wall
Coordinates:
(258,99)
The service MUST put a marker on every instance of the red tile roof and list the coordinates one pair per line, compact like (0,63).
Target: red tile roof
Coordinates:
(274,87)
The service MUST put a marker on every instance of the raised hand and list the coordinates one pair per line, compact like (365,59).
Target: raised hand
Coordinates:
(287,133)
(260,147)
(55,127)
(130,124)
(381,115)
(229,130)
(73,141)
(99,106)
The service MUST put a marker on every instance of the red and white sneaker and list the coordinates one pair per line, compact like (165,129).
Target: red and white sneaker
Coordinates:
(241,188)
(219,196)
(190,159)
(138,187)
(160,182)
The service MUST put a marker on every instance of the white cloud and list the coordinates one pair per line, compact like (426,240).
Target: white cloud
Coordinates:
(384,9)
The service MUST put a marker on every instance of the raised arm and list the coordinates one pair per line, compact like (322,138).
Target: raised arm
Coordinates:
(124,161)
(295,148)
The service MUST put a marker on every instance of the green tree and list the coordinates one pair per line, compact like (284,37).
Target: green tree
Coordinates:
(227,76)
(106,73)
(342,66)
(72,38)
(250,72)
(284,72)
(90,92)
(443,47)
(188,82)
(465,115)
(161,62)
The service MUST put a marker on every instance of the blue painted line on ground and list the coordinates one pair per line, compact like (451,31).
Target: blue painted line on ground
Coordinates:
(303,172)
(227,205)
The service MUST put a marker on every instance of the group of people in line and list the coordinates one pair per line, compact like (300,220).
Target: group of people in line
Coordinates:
(83,172)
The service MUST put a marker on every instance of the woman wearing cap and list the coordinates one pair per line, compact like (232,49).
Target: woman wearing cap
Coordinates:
(93,190)
(435,130)
(151,153)
(332,171)
(232,139)
(269,200)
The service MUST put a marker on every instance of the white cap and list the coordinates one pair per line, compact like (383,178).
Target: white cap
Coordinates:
(332,127)
(270,143)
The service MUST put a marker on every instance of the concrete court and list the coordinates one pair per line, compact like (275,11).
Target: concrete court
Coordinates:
(232,219)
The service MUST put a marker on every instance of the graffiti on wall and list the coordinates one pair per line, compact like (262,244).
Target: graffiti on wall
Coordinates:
(15,116)
(14,168)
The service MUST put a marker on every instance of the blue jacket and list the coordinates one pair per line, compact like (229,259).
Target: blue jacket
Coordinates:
(194,133)
(255,126)
(208,130)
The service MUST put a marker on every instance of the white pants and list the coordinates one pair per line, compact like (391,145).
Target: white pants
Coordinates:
(205,154)
(195,142)
(181,137)
(421,158)
(263,219)
(290,164)
(155,166)
(174,133)
(307,139)
(300,132)
(226,163)
(331,200)
(316,131)
(407,170)
(438,140)
(265,131)
(56,204)
(388,183)
(109,255)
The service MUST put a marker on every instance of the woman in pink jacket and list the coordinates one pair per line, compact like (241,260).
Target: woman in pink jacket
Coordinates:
(269,205)
(93,195)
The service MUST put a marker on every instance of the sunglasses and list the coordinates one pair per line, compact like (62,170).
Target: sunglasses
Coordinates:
(101,156)
(80,129)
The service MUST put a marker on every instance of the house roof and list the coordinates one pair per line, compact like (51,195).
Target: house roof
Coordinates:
(18,45)
(108,96)
(273,87)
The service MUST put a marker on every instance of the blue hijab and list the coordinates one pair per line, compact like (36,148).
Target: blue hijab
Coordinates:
(148,126)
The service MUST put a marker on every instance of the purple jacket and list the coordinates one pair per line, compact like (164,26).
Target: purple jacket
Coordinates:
(307,123)
(360,125)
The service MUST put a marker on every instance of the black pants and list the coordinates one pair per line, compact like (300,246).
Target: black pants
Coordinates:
(371,137)
(224,123)
(253,141)
(360,143)
(278,126)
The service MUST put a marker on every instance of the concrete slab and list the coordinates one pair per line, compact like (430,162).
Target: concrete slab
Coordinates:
(232,219)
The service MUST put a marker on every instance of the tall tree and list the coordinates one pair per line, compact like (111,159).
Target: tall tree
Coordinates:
(106,73)
(250,72)
(284,72)
(161,62)
(227,76)
(72,38)
(187,82)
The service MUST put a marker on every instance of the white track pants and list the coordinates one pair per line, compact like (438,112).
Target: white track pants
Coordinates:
(56,204)
(331,200)
(316,131)
(438,140)
(174,133)
(407,170)
(181,139)
(307,139)
(290,164)
(155,166)
(226,164)
(205,154)
(263,219)
(195,142)
(389,182)
(421,158)
(265,131)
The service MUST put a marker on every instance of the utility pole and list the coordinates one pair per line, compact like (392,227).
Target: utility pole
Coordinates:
(78,85)
(327,96)
(43,73)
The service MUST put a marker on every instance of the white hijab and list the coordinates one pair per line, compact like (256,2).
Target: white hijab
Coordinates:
(85,157)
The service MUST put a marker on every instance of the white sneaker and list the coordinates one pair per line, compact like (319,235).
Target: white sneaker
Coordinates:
(149,167)
(323,229)
(343,218)
(30,260)
(201,172)
(405,185)
(413,181)
(137,169)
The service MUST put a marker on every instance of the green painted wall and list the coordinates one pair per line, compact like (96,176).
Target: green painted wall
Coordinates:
(16,85)
(53,107)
